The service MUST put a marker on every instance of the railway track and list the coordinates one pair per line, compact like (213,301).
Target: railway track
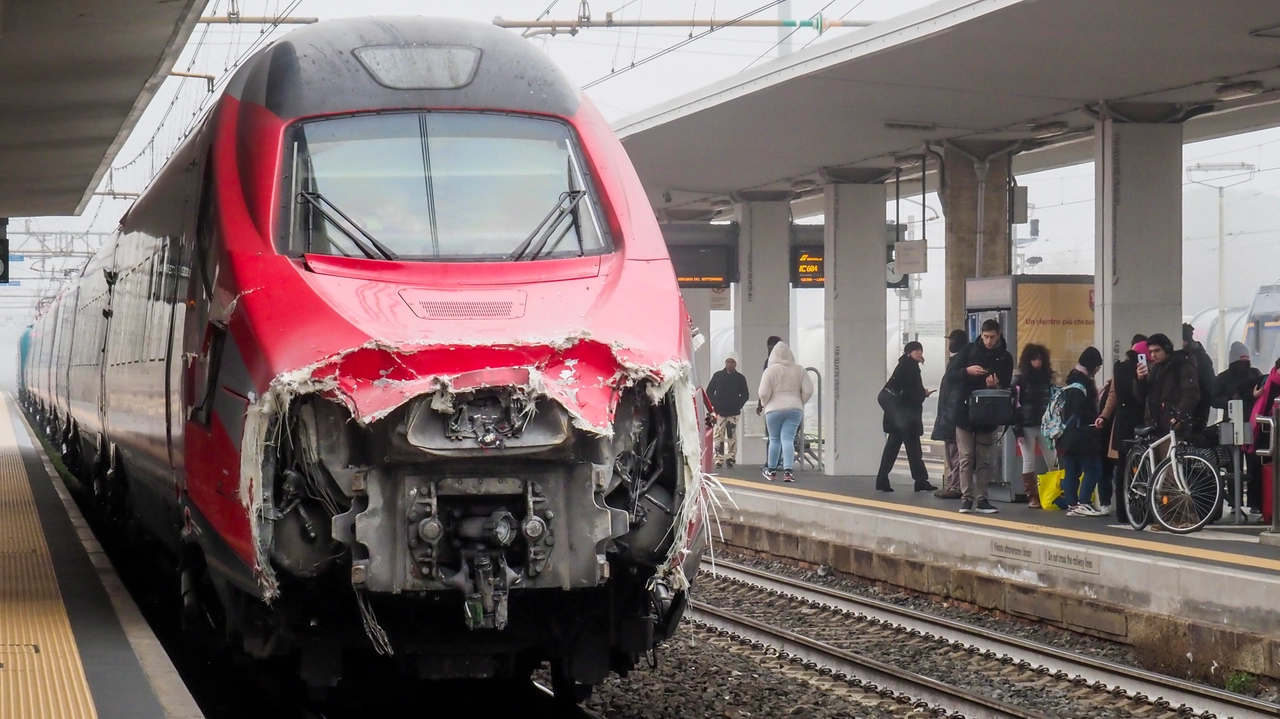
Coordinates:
(824,623)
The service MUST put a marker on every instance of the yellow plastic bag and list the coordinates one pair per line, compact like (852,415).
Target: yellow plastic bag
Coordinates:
(1050,485)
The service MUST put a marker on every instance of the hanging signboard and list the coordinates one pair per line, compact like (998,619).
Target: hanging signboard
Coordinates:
(911,257)
(807,266)
(704,265)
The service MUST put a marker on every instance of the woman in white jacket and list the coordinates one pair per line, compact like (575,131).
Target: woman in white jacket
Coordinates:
(784,389)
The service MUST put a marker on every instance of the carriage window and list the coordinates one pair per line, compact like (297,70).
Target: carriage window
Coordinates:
(439,186)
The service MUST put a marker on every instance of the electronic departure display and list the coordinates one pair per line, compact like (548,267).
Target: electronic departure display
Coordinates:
(807,266)
(704,265)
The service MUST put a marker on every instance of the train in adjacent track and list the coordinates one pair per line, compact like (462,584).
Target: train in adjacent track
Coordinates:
(391,360)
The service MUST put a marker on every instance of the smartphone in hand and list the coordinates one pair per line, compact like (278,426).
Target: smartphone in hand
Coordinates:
(1142,360)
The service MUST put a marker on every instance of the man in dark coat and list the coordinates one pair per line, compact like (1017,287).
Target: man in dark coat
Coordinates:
(984,364)
(1204,374)
(1079,444)
(1239,381)
(1168,386)
(728,392)
(1124,411)
(903,422)
(943,429)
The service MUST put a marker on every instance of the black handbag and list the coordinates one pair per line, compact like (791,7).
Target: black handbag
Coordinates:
(991,408)
(889,396)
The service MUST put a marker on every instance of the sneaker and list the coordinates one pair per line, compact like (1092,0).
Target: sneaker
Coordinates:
(787,476)
(1107,510)
(719,465)
(768,473)
(1083,510)
(729,463)
(947,494)
(966,506)
(984,507)
(1074,511)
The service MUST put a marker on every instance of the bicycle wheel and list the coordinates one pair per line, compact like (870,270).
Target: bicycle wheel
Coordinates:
(1137,481)
(1185,506)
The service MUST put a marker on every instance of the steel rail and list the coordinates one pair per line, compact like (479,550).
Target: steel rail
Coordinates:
(1134,680)
(954,699)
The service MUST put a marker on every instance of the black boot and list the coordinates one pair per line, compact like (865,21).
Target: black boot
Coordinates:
(882,484)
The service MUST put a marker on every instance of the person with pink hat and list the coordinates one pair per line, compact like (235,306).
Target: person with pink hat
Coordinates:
(1124,412)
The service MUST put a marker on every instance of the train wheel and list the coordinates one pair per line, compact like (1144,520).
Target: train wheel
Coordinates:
(567,691)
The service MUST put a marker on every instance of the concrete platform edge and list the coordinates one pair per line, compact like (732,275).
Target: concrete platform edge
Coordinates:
(1185,618)
(170,690)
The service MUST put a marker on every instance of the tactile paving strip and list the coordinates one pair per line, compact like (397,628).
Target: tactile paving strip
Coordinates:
(41,676)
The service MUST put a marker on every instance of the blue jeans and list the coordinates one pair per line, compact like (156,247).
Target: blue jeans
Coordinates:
(1074,491)
(782,425)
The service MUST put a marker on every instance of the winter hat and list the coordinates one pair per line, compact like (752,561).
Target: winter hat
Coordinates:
(1140,347)
(1091,358)
(1239,352)
(912,347)
(1162,341)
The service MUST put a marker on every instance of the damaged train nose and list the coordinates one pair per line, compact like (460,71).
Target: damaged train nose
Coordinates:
(469,492)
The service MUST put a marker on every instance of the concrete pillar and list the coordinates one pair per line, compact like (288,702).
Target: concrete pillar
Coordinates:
(960,203)
(854,243)
(698,302)
(761,304)
(1138,258)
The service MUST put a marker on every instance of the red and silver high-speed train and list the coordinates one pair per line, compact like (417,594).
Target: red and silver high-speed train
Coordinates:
(392,358)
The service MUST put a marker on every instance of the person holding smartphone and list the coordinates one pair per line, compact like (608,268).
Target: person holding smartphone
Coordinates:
(1124,411)
(1168,386)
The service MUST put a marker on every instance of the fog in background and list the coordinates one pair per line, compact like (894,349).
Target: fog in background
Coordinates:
(1062,199)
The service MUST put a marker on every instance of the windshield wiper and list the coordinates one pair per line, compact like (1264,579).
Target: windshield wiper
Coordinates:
(369,246)
(537,240)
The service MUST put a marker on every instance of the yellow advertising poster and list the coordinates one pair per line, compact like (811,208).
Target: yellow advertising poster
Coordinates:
(1058,316)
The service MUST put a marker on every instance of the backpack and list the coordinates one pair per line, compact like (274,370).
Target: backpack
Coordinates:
(1054,424)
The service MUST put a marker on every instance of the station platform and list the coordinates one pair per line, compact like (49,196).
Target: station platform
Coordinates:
(1218,589)
(73,644)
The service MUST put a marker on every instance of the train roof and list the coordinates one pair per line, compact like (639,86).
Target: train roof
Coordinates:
(359,64)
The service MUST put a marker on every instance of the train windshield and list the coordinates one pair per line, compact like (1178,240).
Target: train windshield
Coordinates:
(439,186)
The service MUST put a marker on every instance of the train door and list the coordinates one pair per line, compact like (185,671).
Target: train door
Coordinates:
(112,274)
(177,278)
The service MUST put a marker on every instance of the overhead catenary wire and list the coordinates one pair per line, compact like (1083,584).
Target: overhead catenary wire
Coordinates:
(681,44)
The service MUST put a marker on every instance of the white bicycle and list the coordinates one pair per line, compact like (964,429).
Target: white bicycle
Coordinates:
(1180,492)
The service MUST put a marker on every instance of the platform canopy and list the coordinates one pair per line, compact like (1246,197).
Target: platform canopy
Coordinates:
(75,76)
(1032,70)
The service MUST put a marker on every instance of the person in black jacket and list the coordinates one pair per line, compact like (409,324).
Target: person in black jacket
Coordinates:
(1080,445)
(1204,373)
(903,422)
(1124,411)
(1168,386)
(984,364)
(1031,386)
(943,430)
(728,392)
(1239,381)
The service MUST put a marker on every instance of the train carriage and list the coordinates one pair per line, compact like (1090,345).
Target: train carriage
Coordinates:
(391,357)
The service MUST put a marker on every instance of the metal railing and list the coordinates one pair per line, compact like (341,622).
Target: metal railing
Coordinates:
(821,453)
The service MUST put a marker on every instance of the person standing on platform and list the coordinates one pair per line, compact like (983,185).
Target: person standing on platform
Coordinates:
(984,364)
(944,430)
(1240,380)
(1204,375)
(785,387)
(903,422)
(1125,412)
(1081,449)
(1168,386)
(769,345)
(728,392)
(1035,377)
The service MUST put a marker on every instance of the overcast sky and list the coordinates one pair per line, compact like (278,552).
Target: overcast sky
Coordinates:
(1063,199)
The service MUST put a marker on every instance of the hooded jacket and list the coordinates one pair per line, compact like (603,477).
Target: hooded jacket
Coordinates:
(1170,391)
(1205,379)
(996,360)
(785,384)
(1237,381)
(906,417)
(1123,406)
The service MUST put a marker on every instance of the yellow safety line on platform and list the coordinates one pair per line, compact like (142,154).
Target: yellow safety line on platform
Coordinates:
(1242,560)
(41,676)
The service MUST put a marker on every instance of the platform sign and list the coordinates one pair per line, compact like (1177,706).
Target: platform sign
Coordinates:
(911,257)
(17,258)
(720,299)
(704,265)
(808,267)
(11,283)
